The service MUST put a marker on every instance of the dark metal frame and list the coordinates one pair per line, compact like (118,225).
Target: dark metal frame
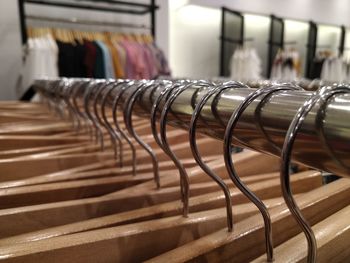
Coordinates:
(311,47)
(224,39)
(131,8)
(342,40)
(272,44)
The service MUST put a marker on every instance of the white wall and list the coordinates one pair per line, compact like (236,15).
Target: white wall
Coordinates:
(10,49)
(195,28)
(258,28)
(194,42)
(295,31)
(329,37)
(321,11)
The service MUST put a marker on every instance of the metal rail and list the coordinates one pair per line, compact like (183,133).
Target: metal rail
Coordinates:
(273,117)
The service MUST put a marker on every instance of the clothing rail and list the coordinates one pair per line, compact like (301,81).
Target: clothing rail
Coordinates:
(86,22)
(274,117)
(124,7)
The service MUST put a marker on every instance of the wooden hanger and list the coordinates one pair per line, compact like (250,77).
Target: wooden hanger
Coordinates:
(119,201)
(130,239)
(333,238)
(204,196)
(222,246)
(79,205)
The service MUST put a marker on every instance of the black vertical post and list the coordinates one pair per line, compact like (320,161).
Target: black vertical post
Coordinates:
(311,48)
(282,35)
(273,42)
(226,38)
(222,44)
(153,19)
(242,31)
(22,21)
(342,40)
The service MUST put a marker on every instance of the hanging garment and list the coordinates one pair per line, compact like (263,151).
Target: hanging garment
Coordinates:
(90,58)
(116,60)
(40,60)
(94,55)
(100,66)
(107,60)
(334,69)
(286,66)
(245,64)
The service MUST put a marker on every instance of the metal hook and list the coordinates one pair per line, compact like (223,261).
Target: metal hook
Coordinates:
(195,151)
(69,84)
(320,130)
(169,86)
(184,181)
(56,99)
(116,123)
(82,84)
(258,109)
(322,94)
(130,101)
(115,136)
(266,91)
(99,133)
(216,99)
(95,111)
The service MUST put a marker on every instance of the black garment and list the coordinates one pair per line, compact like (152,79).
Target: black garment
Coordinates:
(71,60)
(288,62)
(80,52)
(99,69)
(316,68)
(66,59)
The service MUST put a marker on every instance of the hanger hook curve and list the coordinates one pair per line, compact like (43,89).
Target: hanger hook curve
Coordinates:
(324,93)
(266,91)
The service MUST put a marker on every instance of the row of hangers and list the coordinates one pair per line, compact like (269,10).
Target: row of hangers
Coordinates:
(61,188)
(71,36)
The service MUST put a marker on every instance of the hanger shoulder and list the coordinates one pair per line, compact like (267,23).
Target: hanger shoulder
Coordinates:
(166,199)
(220,246)
(333,237)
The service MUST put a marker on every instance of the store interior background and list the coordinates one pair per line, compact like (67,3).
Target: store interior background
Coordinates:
(186,30)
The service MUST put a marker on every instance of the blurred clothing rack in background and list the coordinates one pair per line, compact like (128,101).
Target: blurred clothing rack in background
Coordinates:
(121,7)
(113,6)
(86,22)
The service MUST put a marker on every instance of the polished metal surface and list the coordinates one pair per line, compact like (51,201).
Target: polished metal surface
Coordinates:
(275,117)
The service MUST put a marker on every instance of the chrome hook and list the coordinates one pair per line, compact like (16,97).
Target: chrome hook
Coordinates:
(82,84)
(99,133)
(266,91)
(195,151)
(216,98)
(320,129)
(115,136)
(184,180)
(69,84)
(169,86)
(258,109)
(116,123)
(56,99)
(322,94)
(130,102)
(95,111)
